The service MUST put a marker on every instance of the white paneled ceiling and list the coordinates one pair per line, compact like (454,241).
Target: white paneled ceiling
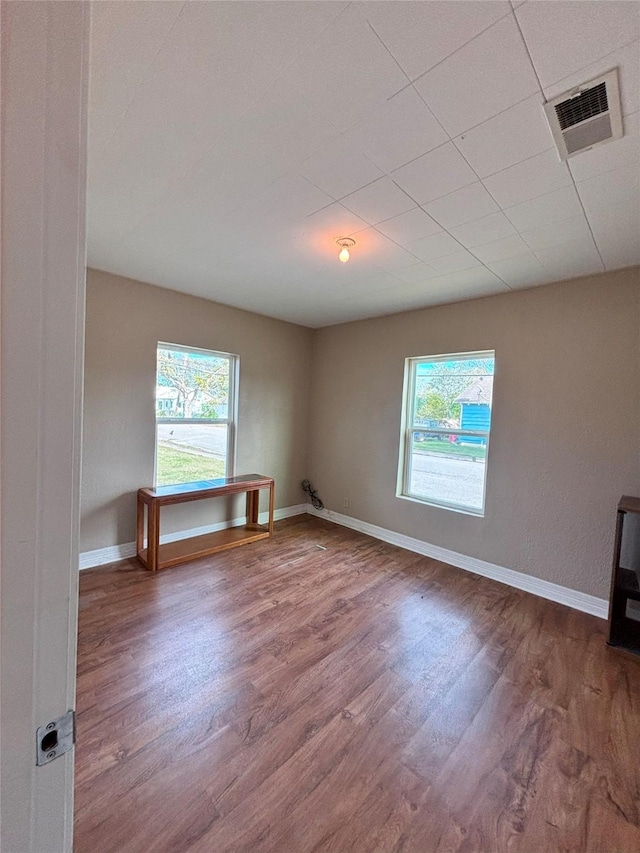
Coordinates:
(232,143)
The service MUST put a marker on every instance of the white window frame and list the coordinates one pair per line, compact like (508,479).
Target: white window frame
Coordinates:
(232,407)
(409,429)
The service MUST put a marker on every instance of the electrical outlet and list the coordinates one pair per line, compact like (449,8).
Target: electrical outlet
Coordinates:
(345,503)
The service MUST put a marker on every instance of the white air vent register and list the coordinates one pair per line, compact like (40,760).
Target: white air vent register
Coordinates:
(586,116)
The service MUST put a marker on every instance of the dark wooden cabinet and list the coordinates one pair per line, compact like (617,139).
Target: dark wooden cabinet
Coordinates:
(624,631)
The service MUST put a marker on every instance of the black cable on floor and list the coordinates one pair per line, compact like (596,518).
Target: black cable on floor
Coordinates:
(313,495)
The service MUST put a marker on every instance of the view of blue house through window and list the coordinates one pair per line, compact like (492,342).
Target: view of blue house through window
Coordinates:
(446,428)
(195,414)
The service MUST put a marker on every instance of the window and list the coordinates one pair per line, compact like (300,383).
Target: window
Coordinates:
(195,414)
(446,425)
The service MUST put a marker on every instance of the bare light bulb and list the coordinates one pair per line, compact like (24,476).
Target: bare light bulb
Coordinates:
(345,243)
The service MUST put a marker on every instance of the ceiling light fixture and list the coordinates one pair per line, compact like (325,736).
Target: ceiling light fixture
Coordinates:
(346,243)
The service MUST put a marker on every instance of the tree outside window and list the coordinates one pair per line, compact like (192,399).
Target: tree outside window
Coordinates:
(195,414)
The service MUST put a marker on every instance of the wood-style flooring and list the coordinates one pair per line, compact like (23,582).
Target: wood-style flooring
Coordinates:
(324,691)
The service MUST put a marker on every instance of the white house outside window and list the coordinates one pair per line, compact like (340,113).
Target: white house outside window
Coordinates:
(446,429)
(195,414)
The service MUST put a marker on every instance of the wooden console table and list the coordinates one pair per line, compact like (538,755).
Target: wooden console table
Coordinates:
(156,556)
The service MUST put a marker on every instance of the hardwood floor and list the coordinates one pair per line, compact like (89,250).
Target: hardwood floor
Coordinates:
(327,692)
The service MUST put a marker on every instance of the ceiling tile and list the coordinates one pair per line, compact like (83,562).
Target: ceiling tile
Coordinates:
(454,287)
(527,281)
(464,285)
(534,177)
(418,272)
(121,258)
(625,59)
(523,271)
(620,248)
(409,226)
(567,269)
(618,154)
(485,230)
(374,288)
(421,34)
(604,192)
(436,246)
(435,174)
(554,233)
(489,74)
(278,129)
(314,239)
(389,301)
(364,289)
(335,221)
(240,46)
(173,118)
(498,250)
(457,262)
(246,45)
(175,149)
(563,37)
(471,202)
(107,220)
(288,199)
(191,228)
(437,292)
(378,201)
(124,44)
(263,146)
(553,207)
(570,259)
(375,248)
(508,138)
(347,73)
(339,169)
(612,205)
(400,130)
(619,218)
(333,276)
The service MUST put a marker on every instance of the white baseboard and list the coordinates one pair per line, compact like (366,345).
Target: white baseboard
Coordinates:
(102,556)
(112,553)
(545,589)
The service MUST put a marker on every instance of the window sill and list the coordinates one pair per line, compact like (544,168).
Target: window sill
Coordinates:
(463,510)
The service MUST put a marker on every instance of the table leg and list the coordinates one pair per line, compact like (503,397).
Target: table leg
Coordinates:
(272,504)
(153,535)
(139,527)
(253,505)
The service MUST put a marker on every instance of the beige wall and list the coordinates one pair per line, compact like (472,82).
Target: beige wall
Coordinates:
(566,416)
(125,321)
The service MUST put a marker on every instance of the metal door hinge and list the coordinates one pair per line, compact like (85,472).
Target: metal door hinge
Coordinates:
(55,738)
